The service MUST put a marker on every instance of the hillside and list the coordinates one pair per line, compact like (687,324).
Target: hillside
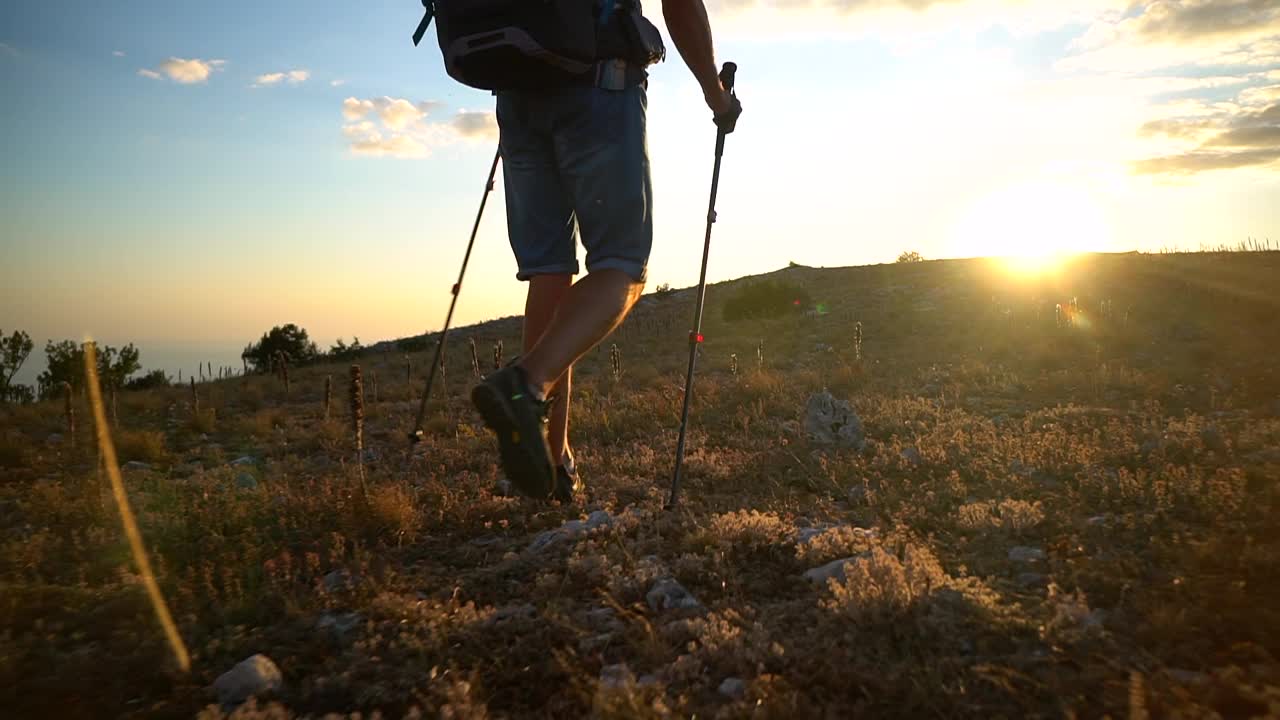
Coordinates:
(1056,498)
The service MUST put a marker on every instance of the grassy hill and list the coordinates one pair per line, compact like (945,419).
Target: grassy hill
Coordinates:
(1060,501)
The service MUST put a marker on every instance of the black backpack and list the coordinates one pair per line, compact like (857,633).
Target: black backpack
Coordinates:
(532,44)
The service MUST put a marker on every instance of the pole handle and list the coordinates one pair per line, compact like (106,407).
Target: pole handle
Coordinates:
(727,73)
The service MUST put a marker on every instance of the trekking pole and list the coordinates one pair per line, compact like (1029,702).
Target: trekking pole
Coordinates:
(417,434)
(725,125)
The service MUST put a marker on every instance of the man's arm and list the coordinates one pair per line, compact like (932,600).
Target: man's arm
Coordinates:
(691,32)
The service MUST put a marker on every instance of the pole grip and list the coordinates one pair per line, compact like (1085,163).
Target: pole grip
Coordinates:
(727,73)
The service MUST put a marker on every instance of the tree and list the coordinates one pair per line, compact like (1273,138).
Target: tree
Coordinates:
(153,379)
(14,351)
(343,351)
(65,362)
(910,256)
(288,339)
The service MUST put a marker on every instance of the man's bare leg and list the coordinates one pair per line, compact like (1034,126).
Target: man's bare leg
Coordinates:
(545,294)
(591,309)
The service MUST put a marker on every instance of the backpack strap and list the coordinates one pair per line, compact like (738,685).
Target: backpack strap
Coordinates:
(428,12)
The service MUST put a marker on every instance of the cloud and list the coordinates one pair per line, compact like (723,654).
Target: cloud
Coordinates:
(186,72)
(117,53)
(396,127)
(292,77)
(337,83)
(1195,20)
(1235,137)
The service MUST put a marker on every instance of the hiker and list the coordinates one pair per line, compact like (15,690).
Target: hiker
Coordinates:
(575,158)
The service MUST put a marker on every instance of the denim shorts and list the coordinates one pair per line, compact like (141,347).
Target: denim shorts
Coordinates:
(575,162)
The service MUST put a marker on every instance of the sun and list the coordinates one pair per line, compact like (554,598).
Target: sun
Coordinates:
(1032,228)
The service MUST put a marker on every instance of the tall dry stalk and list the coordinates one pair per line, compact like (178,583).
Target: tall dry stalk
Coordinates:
(760,356)
(373,388)
(283,363)
(115,416)
(497,355)
(615,361)
(109,460)
(408,371)
(475,359)
(733,364)
(857,341)
(357,421)
(69,409)
(328,394)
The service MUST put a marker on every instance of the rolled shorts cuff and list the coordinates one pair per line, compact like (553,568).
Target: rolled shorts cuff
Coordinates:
(554,269)
(636,270)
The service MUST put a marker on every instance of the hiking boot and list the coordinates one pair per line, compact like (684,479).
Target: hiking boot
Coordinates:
(516,416)
(568,483)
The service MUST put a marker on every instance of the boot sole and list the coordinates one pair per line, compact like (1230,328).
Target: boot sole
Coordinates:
(524,460)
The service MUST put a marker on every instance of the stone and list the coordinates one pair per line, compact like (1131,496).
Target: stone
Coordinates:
(833,570)
(256,675)
(246,481)
(616,676)
(667,594)
(599,519)
(1023,554)
(54,439)
(1097,520)
(647,680)
(243,460)
(912,455)
(733,688)
(135,466)
(570,529)
(338,580)
(828,421)
(595,643)
(339,625)
(604,619)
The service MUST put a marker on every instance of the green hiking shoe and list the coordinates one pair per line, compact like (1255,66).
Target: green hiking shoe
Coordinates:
(568,483)
(511,411)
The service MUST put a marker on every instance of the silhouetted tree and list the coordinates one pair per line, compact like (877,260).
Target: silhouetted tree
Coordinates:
(910,256)
(65,362)
(288,339)
(14,351)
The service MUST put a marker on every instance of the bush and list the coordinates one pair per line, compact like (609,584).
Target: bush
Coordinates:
(153,379)
(141,445)
(771,298)
(910,256)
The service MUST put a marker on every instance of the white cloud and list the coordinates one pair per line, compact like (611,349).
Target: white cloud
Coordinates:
(337,83)
(186,72)
(396,127)
(118,53)
(292,77)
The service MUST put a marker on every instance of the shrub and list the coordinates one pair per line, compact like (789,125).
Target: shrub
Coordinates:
(771,298)
(910,256)
(153,379)
(142,445)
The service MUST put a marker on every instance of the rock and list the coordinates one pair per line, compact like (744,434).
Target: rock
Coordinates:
(599,519)
(1097,520)
(616,676)
(1187,677)
(338,580)
(667,594)
(513,612)
(503,488)
(833,570)
(243,460)
(647,680)
(828,421)
(912,455)
(804,536)
(339,625)
(604,619)
(595,643)
(54,439)
(1023,554)
(135,466)
(1032,581)
(254,676)
(823,348)
(246,481)
(733,688)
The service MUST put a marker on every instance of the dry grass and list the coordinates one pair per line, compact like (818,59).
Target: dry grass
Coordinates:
(1138,456)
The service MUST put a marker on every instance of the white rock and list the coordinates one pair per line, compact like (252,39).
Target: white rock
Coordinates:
(135,465)
(339,625)
(254,676)
(1023,554)
(667,594)
(1097,520)
(828,421)
(833,570)
(242,460)
(733,688)
(599,519)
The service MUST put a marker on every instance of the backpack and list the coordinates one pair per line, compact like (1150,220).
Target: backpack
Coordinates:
(537,44)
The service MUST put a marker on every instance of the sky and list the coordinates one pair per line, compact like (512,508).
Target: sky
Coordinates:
(186,175)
